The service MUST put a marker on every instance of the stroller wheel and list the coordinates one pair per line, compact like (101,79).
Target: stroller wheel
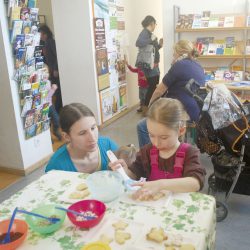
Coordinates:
(211,184)
(221,211)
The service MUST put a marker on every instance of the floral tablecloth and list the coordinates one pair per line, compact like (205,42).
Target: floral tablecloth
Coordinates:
(192,213)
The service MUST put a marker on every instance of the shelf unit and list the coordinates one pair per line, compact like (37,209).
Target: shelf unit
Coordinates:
(243,57)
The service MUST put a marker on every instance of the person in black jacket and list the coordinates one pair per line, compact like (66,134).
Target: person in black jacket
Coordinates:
(50,56)
(144,40)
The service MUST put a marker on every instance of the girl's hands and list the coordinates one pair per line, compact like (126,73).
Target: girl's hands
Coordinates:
(148,190)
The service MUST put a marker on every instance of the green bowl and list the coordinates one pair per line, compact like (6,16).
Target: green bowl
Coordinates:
(40,225)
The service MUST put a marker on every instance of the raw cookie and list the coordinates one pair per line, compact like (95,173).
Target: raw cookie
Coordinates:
(187,247)
(105,239)
(121,237)
(81,187)
(157,234)
(158,196)
(79,195)
(170,248)
(120,225)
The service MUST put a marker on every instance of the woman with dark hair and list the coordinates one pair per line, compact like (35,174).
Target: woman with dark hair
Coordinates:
(148,57)
(50,57)
(84,150)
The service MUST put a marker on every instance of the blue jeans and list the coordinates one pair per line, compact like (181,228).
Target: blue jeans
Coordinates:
(54,118)
(142,133)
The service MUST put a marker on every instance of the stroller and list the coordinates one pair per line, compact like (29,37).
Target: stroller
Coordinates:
(222,132)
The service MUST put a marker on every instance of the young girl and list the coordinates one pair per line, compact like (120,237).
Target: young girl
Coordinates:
(166,163)
(142,83)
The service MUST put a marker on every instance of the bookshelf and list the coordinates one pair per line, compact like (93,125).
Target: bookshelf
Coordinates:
(226,29)
(216,59)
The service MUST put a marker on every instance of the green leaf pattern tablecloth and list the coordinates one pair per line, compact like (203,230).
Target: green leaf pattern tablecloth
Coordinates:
(186,213)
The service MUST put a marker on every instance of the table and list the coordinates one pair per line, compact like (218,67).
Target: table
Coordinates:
(190,212)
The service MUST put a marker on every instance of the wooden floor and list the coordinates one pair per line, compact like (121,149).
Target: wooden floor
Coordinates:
(7,179)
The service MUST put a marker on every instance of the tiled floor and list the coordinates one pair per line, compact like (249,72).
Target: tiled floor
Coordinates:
(232,233)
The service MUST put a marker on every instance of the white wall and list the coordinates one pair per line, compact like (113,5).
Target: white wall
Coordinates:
(135,12)
(15,151)
(193,7)
(46,10)
(75,52)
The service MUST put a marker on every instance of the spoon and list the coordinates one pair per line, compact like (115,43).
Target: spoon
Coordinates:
(52,220)
(76,213)
(7,237)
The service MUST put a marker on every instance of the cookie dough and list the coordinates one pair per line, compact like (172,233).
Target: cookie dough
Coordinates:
(81,187)
(187,247)
(121,237)
(157,235)
(79,195)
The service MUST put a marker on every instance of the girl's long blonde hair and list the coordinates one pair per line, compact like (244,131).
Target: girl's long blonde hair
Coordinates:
(169,112)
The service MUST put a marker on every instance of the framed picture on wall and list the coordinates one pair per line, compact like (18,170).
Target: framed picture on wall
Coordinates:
(42,19)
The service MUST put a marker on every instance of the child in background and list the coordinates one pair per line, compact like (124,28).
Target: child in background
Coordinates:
(142,83)
(53,115)
(127,153)
(166,163)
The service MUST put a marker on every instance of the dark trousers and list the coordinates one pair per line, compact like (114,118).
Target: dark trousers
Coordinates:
(152,82)
(58,95)
(54,118)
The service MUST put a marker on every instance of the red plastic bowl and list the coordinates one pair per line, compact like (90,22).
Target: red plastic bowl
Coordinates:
(18,226)
(94,206)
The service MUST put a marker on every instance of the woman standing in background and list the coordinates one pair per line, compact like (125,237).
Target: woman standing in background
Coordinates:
(148,57)
(50,57)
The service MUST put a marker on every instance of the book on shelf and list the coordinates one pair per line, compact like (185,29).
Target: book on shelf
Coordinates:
(34,27)
(185,22)
(39,62)
(19,43)
(213,22)
(39,128)
(26,27)
(220,47)
(28,39)
(248,21)
(14,14)
(46,125)
(30,132)
(23,3)
(29,118)
(230,46)
(196,21)
(239,21)
(36,101)
(45,112)
(221,21)
(38,114)
(202,44)
(17,26)
(205,19)
(25,14)
(20,57)
(212,47)
(229,21)
(35,88)
(31,65)
(32,3)
(11,4)
(36,39)
(38,51)
(248,47)
(27,105)
(29,53)
(33,14)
